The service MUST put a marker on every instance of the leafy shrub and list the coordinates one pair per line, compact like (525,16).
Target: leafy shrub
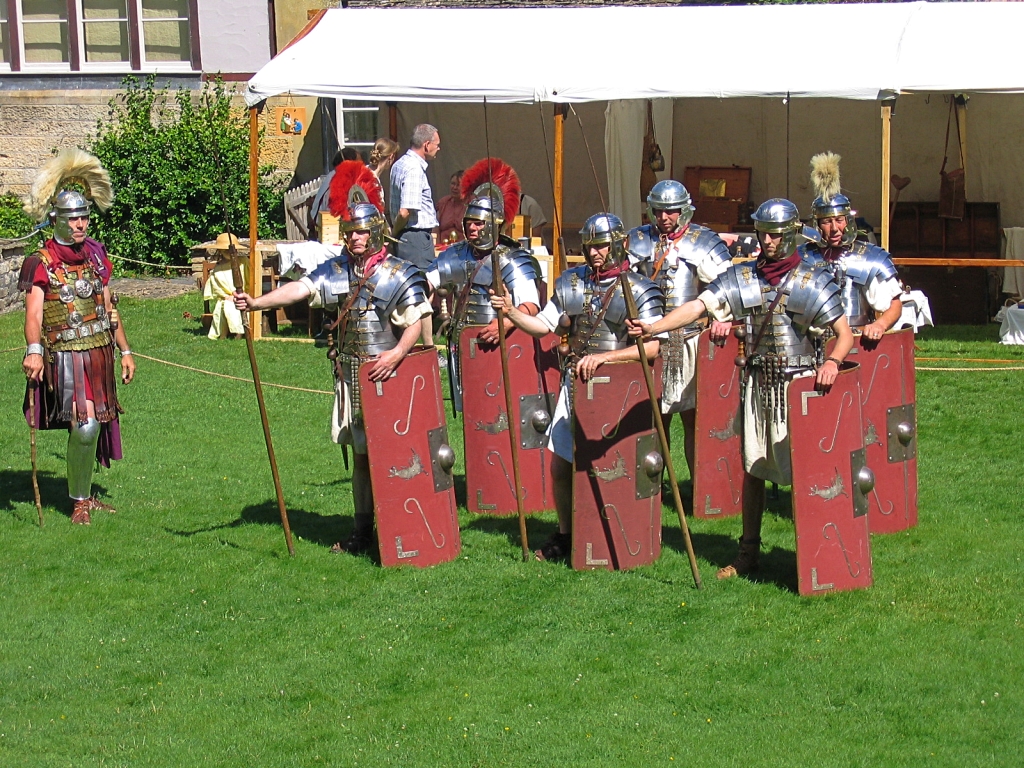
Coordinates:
(178,163)
(14,223)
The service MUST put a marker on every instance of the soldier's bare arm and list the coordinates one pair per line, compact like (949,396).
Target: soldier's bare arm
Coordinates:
(589,364)
(33,364)
(282,296)
(524,322)
(677,318)
(827,373)
(121,340)
(885,321)
(489,334)
(388,361)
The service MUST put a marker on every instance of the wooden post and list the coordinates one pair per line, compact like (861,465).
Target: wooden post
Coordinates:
(393,120)
(559,256)
(886,173)
(255,257)
(961,116)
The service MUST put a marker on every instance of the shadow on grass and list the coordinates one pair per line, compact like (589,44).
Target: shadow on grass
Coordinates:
(537,530)
(16,488)
(308,526)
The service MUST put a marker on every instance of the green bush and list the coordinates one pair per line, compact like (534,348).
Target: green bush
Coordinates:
(14,223)
(178,162)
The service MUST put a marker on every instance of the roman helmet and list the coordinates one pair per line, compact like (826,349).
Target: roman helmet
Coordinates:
(491,187)
(670,195)
(781,216)
(829,200)
(53,198)
(605,229)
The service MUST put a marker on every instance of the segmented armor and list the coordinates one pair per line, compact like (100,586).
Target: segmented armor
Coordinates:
(458,266)
(854,270)
(596,327)
(811,300)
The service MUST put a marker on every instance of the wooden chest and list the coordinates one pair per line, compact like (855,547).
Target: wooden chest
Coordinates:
(721,196)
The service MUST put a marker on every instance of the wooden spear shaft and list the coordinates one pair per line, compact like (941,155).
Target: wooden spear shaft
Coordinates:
(32,389)
(513,422)
(652,394)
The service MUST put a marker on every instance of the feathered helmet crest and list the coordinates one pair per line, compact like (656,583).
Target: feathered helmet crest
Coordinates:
(357,199)
(829,200)
(491,188)
(51,198)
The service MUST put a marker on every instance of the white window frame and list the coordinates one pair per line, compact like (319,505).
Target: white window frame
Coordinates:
(344,108)
(136,34)
(5,66)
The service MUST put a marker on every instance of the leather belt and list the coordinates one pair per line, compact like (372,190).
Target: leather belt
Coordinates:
(789,362)
(83,331)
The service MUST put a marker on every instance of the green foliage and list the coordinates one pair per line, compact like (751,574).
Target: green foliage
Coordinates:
(176,162)
(14,222)
(178,632)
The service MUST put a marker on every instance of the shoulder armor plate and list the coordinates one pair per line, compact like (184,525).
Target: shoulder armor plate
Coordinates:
(640,243)
(699,242)
(864,261)
(392,280)
(569,289)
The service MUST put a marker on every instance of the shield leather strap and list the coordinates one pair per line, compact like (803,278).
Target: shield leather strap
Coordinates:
(617,466)
(410,463)
(718,457)
(888,403)
(489,483)
(830,485)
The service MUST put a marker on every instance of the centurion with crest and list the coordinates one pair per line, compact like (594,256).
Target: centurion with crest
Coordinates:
(871,294)
(72,325)
(465,270)
(388,403)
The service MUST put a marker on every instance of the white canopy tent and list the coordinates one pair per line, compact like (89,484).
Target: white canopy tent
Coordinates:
(729,52)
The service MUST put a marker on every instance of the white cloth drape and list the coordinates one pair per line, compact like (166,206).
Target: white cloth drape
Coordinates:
(625,125)
(1013,277)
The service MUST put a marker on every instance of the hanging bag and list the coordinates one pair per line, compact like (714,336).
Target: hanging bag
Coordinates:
(952,185)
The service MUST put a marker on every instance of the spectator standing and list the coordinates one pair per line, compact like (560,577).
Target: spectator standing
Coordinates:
(451,209)
(411,204)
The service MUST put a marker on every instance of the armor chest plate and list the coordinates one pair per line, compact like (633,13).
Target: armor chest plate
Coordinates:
(74,316)
(780,337)
(855,305)
(678,282)
(478,309)
(593,332)
(367,334)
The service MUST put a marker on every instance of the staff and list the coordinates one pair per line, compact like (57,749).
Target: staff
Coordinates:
(632,314)
(32,443)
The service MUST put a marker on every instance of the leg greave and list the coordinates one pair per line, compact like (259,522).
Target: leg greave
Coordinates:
(82,457)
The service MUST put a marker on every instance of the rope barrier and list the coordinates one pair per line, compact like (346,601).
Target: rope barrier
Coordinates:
(149,263)
(233,378)
(1006,368)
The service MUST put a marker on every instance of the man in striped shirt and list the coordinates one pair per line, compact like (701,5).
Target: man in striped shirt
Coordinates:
(412,205)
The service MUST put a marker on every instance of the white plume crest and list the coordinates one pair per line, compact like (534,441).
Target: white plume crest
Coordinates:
(69,165)
(825,175)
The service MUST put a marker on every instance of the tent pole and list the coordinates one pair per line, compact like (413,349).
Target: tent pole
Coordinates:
(886,173)
(393,120)
(255,260)
(557,244)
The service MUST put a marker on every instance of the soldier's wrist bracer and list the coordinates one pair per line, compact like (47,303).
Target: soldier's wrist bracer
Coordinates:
(34,349)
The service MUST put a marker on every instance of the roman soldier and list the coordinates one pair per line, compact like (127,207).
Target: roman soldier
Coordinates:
(381,301)
(784,303)
(681,257)
(72,327)
(588,308)
(865,272)
(466,272)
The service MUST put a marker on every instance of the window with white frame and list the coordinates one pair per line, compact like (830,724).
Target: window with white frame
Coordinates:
(358,126)
(97,35)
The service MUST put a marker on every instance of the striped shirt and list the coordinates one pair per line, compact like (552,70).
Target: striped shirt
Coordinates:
(411,190)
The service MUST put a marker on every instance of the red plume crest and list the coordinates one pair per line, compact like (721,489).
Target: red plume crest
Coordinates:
(502,175)
(348,174)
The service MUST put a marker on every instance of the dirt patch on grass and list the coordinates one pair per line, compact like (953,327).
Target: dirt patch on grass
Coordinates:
(153,287)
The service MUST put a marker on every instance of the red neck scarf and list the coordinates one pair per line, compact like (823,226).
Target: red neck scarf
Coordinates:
(775,271)
(374,261)
(68,254)
(673,236)
(601,276)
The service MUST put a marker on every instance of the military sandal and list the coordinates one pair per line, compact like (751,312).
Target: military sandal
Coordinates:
(556,548)
(80,512)
(746,561)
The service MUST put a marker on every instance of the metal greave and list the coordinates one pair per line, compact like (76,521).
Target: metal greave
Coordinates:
(82,457)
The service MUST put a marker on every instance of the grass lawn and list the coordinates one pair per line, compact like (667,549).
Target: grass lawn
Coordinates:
(179,632)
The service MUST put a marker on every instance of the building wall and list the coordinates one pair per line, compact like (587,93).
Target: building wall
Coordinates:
(234,35)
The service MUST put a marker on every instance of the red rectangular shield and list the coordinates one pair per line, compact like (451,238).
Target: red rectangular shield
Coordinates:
(410,463)
(718,450)
(888,402)
(616,470)
(833,549)
(533,375)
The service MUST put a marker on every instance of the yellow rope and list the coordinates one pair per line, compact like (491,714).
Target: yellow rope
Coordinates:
(967,360)
(233,378)
(149,263)
(1006,368)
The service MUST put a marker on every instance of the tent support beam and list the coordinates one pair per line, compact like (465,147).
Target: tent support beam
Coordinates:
(886,173)
(255,259)
(559,257)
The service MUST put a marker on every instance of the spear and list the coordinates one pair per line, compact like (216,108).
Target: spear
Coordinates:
(506,381)
(236,275)
(632,314)
(32,389)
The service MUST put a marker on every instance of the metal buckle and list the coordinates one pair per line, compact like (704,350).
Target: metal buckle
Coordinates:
(66,293)
(83,288)
(75,319)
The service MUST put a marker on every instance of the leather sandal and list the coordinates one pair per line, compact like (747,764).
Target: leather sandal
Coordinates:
(746,560)
(80,512)
(359,543)
(96,504)
(556,548)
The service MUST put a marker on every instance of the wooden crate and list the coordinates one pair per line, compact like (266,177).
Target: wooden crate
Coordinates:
(720,194)
(329,228)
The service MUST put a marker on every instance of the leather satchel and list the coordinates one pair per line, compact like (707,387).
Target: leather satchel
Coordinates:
(952,185)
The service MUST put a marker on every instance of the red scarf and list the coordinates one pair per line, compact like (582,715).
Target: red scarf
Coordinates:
(374,261)
(673,236)
(68,254)
(613,272)
(775,271)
